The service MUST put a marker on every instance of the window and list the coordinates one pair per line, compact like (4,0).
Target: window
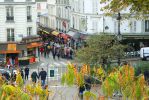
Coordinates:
(29,31)
(9,14)
(10,34)
(135,25)
(146,25)
(38,6)
(29,17)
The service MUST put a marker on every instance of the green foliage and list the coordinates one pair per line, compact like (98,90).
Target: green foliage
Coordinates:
(89,95)
(69,76)
(123,80)
(142,67)
(18,91)
(25,96)
(101,48)
(138,7)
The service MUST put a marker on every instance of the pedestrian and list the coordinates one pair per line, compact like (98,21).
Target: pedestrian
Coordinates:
(67,53)
(22,73)
(58,53)
(71,53)
(88,84)
(26,72)
(53,51)
(81,90)
(34,76)
(43,75)
(8,66)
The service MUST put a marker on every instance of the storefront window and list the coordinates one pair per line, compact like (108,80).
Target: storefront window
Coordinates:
(31,52)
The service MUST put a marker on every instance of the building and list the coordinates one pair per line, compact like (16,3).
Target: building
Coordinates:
(17,21)
(41,7)
(63,15)
(87,17)
(84,17)
(52,14)
(56,21)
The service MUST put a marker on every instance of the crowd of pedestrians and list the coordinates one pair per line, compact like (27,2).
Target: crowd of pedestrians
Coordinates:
(25,76)
(60,48)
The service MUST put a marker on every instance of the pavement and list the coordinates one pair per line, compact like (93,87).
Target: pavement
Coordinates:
(59,92)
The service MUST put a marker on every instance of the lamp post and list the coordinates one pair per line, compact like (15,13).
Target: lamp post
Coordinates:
(119,36)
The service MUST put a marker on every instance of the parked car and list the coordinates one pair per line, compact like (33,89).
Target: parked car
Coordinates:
(144,53)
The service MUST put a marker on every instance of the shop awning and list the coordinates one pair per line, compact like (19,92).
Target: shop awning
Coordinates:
(45,30)
(11,48)
(34,45)
(63,35)
(9,51)
(74,35)
(55,33)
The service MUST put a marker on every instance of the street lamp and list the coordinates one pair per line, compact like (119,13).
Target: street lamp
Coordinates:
(119,36)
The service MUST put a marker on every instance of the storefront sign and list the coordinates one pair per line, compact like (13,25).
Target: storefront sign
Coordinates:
(11,47)
(32,40)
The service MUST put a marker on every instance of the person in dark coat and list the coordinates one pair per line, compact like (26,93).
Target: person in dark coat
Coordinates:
(34,76)
(6,75)
(22,74)
(53,51)
(26,72)
(81,90)
(88,84)
(43,75)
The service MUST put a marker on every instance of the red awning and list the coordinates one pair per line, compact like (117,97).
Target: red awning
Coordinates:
(33,45)
(63,35)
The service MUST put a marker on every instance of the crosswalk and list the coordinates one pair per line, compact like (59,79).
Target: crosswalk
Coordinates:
(55,63)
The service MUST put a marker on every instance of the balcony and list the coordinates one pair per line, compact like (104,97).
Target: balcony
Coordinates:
(29,18)
(9,19)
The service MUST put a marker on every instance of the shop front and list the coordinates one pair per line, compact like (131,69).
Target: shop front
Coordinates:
(136,41)
(33,44)
(10,53)
(33,51)
(46,33)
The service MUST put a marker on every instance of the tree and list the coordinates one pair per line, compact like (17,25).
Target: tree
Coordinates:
(100,49)
(137,7)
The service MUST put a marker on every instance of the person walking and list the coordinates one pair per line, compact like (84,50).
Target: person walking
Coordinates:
(43,75)
(26,70)
(22,74)
(34,76)
(58,53)
(53,51)
(71,53)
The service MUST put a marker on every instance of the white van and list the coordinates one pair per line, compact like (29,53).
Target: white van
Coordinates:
(144,53)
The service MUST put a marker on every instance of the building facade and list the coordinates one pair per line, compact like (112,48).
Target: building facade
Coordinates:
(17,27)
(17,19)
(63,15)
(87,17)
(84,16)
(41,7)
(51,14)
